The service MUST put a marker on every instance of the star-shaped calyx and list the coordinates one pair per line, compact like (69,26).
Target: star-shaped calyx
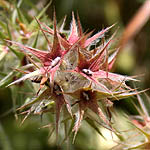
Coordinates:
(50,60)
(56,96)
(87,98)
(98,66)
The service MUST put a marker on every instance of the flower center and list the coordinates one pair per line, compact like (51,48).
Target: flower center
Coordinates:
(85,95)
(55,62)
(87,72)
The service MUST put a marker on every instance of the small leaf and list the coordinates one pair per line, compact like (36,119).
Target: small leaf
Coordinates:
(21,16)
(7,79)
(18,54)
(9,32)
(14,14)
(36,40)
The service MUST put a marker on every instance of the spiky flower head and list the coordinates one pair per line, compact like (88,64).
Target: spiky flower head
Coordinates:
(73,77)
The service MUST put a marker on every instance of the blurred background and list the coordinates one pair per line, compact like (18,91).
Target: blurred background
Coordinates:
(134,59)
